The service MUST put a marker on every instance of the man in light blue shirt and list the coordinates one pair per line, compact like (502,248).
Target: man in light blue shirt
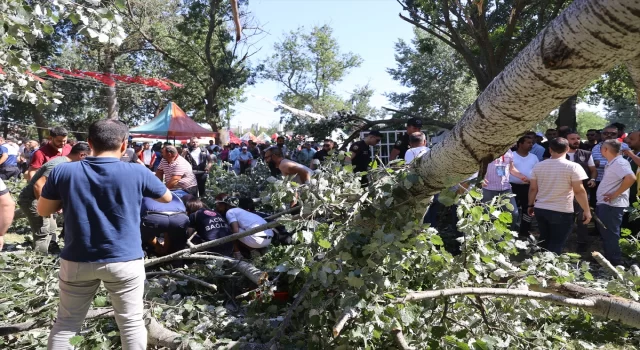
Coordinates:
(306,154)
(537,150)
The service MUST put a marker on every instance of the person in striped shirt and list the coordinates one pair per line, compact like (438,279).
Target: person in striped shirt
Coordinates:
(176,172)
(496,181)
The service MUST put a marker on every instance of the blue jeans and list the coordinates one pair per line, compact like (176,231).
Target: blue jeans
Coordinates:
(554,229)
(611,217)
(488,195)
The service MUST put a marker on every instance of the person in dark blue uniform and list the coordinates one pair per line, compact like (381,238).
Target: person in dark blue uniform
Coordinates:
(167,219)
(403,144)
(360,156)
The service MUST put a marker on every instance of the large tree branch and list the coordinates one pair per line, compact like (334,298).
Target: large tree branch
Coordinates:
(560,61)
(514,17)
(429,30)
(600,304)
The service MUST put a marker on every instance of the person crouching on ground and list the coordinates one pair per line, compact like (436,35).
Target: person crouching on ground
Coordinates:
(241,220)
(209,225)
(167,219)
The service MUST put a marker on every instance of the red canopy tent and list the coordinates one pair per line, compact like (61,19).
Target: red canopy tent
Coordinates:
(172,123)
(233,138)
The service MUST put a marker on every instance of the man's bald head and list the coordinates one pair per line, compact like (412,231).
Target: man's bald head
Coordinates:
(633,140)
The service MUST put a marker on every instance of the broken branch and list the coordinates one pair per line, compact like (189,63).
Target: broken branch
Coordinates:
(184,277)
(607,265)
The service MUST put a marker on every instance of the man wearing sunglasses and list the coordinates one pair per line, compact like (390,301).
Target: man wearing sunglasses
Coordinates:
(592,140)
(322,154)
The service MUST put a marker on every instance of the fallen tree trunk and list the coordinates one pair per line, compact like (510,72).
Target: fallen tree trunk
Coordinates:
(598,303)
(585,41)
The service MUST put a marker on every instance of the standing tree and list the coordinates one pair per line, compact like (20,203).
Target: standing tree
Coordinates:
(441,85)
(198,46)
(309,65)
(488,35)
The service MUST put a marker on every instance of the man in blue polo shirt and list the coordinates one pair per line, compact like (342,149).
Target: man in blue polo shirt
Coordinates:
(9,160)
(101,197)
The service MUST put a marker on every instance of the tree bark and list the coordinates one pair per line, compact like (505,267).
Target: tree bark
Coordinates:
(633,66)
(41,123)
(562,59)
(110,92)
(567,113)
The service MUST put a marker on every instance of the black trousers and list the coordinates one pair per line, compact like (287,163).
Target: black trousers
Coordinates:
(522,201)
(201,178)
(174,227)
(8,172)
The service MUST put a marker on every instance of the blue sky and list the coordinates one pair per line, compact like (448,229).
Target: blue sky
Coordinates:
(369,28)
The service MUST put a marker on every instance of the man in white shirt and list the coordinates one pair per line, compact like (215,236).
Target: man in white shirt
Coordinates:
(241,220)
(147,153)
(418,143)
(524,161)
(552,187)
(613,198)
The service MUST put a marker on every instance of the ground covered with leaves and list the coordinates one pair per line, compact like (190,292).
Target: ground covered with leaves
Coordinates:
(355,277)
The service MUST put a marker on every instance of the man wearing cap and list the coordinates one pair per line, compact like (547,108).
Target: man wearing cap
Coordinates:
(244,159)
(403,144)
(241,220)
(360,156)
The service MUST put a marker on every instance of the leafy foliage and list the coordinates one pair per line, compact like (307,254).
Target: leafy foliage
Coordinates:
(442,87)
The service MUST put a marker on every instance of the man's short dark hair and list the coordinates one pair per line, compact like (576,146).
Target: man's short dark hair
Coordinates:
(280,137)
(145,143)
(58,131)
(329,140)
(375,133)
(275,151)
(594,130)
(192,204)
(559,145)
(80,147)
(570,132)
(417,137)
(614,145)
(523,139)
(618,126)
(107,135)
(246,204)
(551,129)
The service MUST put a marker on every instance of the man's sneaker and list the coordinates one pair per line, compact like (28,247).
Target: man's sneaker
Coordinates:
(54,248)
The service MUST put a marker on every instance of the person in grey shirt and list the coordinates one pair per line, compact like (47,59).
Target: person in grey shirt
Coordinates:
(44,228)
(613,198)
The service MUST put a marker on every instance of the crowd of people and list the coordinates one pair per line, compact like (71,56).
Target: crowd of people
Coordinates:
(121,201)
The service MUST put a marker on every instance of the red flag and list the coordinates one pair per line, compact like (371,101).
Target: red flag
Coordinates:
(52,74)
(35,77)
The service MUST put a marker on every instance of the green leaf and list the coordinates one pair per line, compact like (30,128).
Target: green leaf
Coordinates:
(356,282)
(9,40)
(76,340)
(436,240)
(47,29)
(573,255)
(588,276)
(34,67)
(75,18)
(531,280)
(100,301)
(476,213)
(324,244)
(506,218)
(120,5)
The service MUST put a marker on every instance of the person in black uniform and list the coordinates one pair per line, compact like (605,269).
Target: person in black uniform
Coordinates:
(402,145)
(361,155)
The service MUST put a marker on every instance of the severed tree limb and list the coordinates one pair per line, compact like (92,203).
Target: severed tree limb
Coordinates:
(184,277)
(598,303)
(342,321)
(400,340)
(287,318)
(607,265)
(251,272)
(158,335)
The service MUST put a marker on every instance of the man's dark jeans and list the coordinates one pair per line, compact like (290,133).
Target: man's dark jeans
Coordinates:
(201,178)
(554,228)
(611,217)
